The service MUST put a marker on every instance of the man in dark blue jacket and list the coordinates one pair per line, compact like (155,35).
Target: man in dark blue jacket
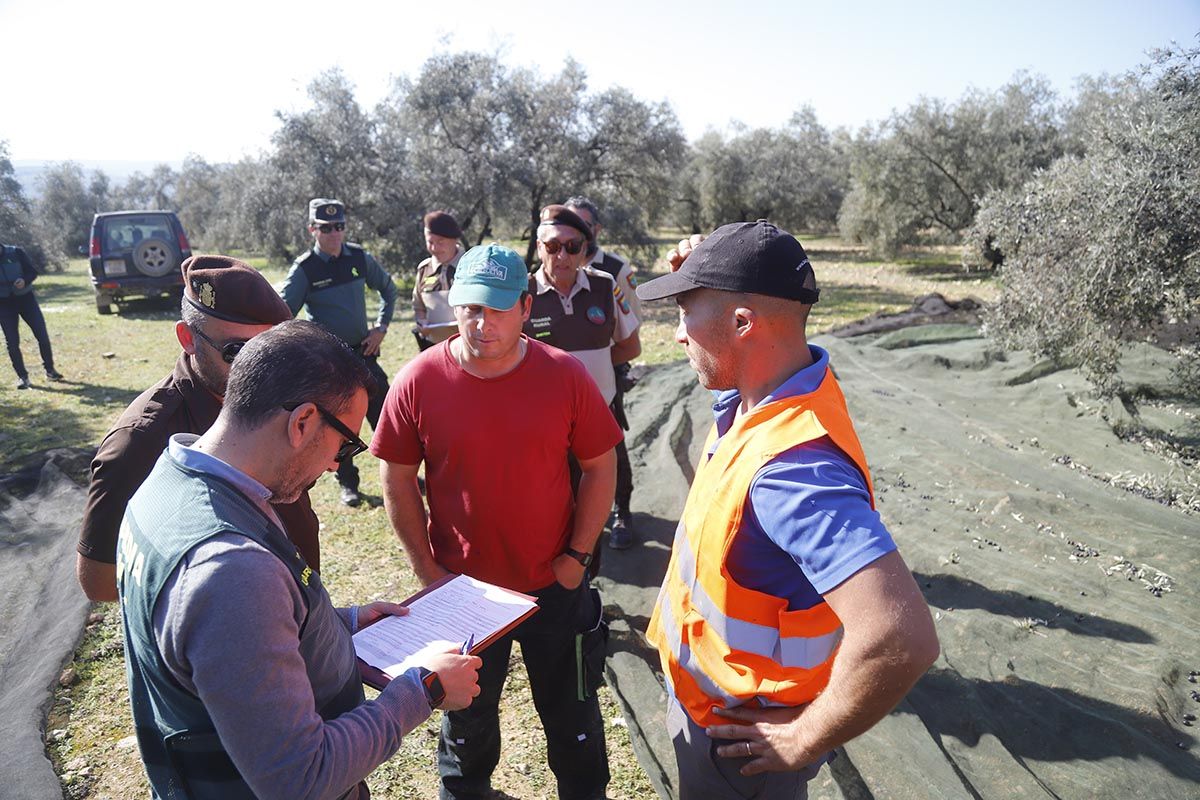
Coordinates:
(17,302)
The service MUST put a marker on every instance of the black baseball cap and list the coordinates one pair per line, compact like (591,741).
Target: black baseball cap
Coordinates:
(752,257)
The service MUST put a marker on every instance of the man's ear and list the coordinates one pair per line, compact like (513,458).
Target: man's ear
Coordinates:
(300,423)
(184,334)
(744,319)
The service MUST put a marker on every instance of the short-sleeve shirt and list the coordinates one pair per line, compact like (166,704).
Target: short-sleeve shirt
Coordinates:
(585,322)
(495,453)
(810,524)
(625,291)
(178,403)
(430,298)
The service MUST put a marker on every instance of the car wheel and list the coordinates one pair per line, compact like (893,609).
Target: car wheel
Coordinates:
(103,304)
(154,257)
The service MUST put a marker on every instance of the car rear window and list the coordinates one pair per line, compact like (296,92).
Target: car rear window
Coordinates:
(124,233)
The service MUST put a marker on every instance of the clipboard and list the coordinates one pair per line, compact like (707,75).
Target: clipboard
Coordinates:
(376,678)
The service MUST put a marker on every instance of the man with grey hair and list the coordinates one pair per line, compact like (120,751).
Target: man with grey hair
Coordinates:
(225,303)
(242,675)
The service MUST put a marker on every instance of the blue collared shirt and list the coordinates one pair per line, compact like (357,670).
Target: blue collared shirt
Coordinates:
(811,503)
(180,448)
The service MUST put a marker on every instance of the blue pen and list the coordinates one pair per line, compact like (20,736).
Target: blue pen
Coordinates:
(467,645)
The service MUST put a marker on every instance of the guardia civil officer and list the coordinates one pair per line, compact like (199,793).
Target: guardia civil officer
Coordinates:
(330,280)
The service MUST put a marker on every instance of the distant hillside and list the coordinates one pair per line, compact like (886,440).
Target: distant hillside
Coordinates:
(29,172)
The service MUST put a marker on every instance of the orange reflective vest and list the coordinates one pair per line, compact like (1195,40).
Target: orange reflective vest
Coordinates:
(721,643)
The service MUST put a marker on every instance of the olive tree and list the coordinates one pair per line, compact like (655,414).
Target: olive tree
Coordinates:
(1104,245)
(927,167)
(495,144)
(16,213)
(796,175)
(64,209)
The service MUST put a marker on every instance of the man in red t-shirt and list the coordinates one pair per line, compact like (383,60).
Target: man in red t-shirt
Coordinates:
(493,415)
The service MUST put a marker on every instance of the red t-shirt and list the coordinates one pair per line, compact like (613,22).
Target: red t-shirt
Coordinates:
(495,453)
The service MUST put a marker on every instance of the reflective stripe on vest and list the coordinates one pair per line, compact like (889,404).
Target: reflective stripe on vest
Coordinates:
(721,643)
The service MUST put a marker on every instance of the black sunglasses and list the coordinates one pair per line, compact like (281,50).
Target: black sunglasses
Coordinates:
(228,351)
(327,227)
(554,245)
(351,447)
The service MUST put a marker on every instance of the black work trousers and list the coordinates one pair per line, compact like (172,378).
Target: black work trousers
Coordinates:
(14,309)
(347,473)
(469,746)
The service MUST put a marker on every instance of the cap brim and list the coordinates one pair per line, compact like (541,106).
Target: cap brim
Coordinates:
(488,296)
(666,286)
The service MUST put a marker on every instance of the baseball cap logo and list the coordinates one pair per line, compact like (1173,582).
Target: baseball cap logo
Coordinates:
(489,269)
(331,210)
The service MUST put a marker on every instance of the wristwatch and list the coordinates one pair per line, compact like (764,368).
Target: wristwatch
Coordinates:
(435,693)
(582,558)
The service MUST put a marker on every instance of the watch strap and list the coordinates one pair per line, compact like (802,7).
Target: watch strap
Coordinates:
(583,558)
(435,693)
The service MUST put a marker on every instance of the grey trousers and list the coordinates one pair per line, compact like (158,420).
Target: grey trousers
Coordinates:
(704,775)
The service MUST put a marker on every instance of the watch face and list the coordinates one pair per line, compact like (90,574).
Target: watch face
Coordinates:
(435,693)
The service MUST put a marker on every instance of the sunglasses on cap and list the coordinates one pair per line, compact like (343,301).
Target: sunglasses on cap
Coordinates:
(572,246)
(349,448)
(228,350)
(329,227)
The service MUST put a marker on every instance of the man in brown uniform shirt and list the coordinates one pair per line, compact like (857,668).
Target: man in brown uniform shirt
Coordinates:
(225,303)
(435,275)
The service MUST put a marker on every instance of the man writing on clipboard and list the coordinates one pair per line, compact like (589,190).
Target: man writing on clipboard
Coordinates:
(242,675)
(493,415)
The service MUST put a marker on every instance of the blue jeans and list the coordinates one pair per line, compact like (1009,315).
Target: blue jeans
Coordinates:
(469,746)
(25,307)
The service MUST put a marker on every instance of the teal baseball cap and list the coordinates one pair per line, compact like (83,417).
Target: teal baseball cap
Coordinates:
(489,275)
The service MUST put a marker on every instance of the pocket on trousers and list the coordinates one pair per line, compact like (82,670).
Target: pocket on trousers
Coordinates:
(591,649)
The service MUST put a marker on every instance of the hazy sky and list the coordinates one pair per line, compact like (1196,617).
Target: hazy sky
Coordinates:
(155,80)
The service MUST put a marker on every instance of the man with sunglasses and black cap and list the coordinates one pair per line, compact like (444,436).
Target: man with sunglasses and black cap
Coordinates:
(330,280)
(787,623)
(225,303)
(577,308)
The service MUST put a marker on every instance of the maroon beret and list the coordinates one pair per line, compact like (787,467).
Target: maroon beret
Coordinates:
(231,290)
(561,215)
(443,223)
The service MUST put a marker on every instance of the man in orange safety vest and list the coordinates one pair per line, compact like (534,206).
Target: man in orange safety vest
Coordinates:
(787,622)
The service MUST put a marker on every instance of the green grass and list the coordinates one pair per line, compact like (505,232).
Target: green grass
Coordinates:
(109,360)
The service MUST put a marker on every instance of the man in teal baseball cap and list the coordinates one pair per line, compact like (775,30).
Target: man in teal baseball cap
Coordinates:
(489,275)
(494,415)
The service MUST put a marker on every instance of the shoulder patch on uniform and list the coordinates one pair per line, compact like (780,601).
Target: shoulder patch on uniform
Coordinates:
(622,300)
